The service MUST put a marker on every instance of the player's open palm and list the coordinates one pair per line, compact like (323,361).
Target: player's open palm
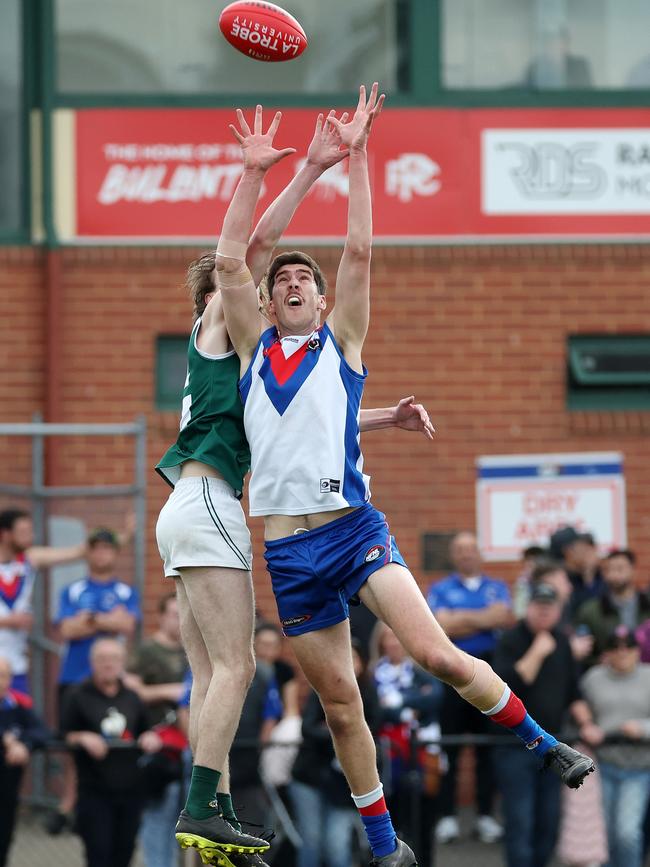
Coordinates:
(354,134)
(325,149)
(257,146)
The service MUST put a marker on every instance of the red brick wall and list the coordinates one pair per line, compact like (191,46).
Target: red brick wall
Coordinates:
(477,333)
(22,353)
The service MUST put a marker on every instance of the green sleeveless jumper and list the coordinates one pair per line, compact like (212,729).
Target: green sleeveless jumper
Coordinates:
(212,419)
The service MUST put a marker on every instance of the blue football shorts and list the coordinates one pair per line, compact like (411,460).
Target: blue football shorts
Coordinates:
(316,573)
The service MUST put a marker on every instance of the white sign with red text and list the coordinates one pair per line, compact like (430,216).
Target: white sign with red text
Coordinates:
(522,499)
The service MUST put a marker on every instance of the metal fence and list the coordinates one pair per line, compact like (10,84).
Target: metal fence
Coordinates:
(33,846)
(62,515)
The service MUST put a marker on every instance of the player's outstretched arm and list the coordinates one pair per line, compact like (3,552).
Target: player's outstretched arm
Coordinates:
(324,152)
(349,319)
(238,290)
(407,415)
(45,556)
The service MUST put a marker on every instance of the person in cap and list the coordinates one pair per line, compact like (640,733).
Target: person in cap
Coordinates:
(99,605)
(617,724)
(579,556)
(553,573)
(535,658)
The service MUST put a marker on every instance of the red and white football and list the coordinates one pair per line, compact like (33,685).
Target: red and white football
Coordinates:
(262,31)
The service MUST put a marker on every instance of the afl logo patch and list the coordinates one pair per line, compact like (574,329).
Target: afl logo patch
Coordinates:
(374,553)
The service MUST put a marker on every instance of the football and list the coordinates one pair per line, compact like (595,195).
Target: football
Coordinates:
(262,31)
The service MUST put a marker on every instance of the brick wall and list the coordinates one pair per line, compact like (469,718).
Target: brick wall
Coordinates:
(22,353)
(477,333)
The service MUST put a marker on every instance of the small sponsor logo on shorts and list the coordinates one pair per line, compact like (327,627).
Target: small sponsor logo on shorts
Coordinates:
(296,621)
(535,743)
(330,486)
(374,553)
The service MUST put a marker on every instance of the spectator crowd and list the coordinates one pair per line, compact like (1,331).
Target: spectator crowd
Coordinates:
(572,639)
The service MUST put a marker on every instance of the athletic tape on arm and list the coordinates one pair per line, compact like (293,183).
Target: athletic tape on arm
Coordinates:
(235,279)
(231,249)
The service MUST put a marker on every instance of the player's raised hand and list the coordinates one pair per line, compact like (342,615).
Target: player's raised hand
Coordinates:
(413,416)
(354,135)
(325,149)
(257,146)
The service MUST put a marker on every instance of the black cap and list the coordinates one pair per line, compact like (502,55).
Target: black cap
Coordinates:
(564,537)
(103,534)
(543,593)
(621,637)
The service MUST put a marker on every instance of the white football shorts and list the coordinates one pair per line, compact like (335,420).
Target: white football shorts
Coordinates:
(203,524)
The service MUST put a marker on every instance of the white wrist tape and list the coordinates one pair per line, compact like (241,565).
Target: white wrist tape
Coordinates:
(235,279)
(231,249)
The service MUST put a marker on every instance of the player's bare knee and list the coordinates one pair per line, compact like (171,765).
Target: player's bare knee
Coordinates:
(446,662)
(343,716)
(234,676)
(244,667)
(201,679)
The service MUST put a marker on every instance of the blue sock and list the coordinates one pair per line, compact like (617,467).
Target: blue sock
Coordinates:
(534,736)
(381,834)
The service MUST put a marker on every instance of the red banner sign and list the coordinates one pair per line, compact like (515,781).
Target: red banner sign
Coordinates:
(436,174)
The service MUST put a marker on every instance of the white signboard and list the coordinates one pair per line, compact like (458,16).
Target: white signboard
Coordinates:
(522,499)
(566,171)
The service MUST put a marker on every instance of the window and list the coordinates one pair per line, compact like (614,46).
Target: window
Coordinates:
(435,551)
(545,45)
(12,147)
(171,371)
(167,46)
(609,372)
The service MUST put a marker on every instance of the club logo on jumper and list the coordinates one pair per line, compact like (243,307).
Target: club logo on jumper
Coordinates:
(535,743)
(330,486)
(374,553)
(296,621)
